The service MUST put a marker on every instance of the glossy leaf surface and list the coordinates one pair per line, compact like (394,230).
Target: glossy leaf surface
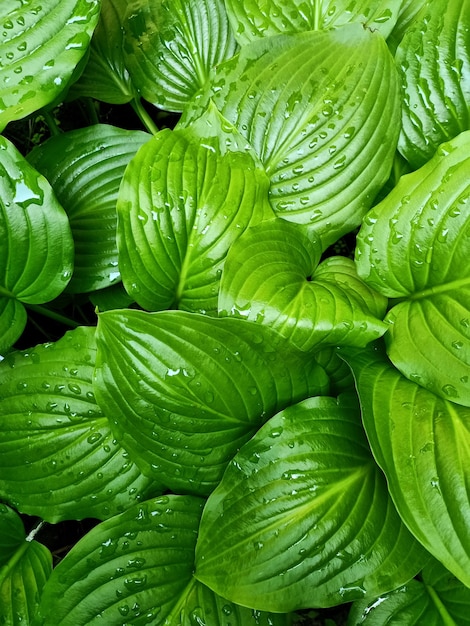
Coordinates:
(302,516)
(415,246)
(171,46)
(86,181)
(25,565)
(422,443)
(321,110)
(58,457)
(434,64)
(272,277)
(41,44)
(251,20)
(185,391)
(36,253)
(185,198)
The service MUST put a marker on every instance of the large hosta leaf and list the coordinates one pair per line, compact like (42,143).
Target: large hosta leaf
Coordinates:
(58,457)
(434,64)
(185,198)
(423,445)
(86,181)
(321,110)
(415,246)
(36,251)
(40,45)
(271,276)
(25,565)
(171,46)
(437,598)
(251,20)
(302,516)
(409,12)
(185,391)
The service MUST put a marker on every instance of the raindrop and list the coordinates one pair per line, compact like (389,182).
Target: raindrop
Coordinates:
(74,388)
(450,391)
(94,437)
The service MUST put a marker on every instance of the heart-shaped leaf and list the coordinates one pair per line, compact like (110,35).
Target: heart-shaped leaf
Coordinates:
(58,458)
(415,246)
(434,63)
(321,110)
(185,391)
(86,181)
(171,46)
(36,253)
(271,276)
(437,599)
(41,44)
(184,199)
(251,20)
(302,516)
(422,443)
(25,565)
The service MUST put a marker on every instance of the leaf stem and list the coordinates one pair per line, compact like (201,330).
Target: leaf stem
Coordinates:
(317,15)
(53,315)
(447,619)
(145,118)
(51,123)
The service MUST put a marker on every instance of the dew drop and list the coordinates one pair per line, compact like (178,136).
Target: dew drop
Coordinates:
(450,391)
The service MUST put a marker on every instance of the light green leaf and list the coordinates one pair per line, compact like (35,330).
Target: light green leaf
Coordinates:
(271,277)
(105,76)
(185,391)
(302,516)
(437,599)
(433,60)
(321,110)
(171,46)
(114,297)
(415,246)
(41,44)
(36,253)
(251,19)
(184,199)
(341,379)
(86,181)
(58,457)
(409,12)
(25,565)
(422,443)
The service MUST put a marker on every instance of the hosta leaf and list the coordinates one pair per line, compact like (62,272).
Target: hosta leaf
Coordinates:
(422,443)
(105,76)
(114,297)
(341,379)
(25,565)
(36,253)
(251,20)
(302,516)
(86,181)
(41,44)
(271,276)
(184,199)
(321,110)
(58,458)
(170,47)
(409,12)
(415,246)
(438,598)
(185,391)
(434,64)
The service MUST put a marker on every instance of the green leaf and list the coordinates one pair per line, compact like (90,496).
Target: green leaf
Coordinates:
(185,391)
(415,246)
(341,379)
(271,277)
(25,565)
(321,110)
(40,48)
(170,47)
(58,457)
(114,297)
(184,199)
(434,60)
(251,20)
(36,255)
(105,76)
(409,12)
(86,181)
(438,599)
(302,516)
(422,443)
